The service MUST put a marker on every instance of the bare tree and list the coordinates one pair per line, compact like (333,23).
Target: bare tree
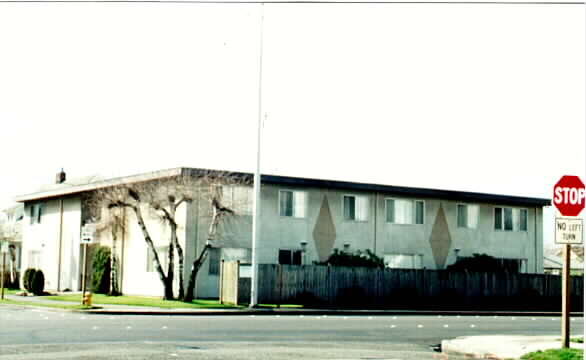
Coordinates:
(162,199)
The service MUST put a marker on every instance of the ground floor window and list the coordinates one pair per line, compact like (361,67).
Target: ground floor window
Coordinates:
(403,261)
(290,257)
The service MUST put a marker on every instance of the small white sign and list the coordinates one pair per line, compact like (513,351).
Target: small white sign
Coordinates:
(87,234)
(569,230)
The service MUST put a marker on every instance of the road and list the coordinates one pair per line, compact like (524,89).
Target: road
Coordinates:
(46,334)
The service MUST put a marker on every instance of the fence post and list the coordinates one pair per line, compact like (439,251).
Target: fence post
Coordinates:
(221,281)
(280,284)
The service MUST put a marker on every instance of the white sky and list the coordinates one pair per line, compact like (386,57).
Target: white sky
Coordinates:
(486,98)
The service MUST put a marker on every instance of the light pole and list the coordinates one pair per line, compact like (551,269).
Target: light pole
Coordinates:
(257,180)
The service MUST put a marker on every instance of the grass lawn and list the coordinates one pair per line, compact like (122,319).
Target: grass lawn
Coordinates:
(578,340)
(555,354)
(54,306)
(144,301)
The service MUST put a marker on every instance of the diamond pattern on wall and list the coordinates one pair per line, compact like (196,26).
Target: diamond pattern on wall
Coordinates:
(440,239)
(324,232)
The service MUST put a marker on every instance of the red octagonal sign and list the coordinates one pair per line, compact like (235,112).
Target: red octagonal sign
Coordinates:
(568,195)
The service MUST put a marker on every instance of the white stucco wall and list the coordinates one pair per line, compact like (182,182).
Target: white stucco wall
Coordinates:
(43,238)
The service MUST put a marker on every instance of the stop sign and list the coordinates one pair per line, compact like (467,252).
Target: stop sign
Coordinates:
(568,195)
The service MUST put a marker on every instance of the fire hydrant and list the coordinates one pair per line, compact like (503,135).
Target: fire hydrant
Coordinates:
(87,299)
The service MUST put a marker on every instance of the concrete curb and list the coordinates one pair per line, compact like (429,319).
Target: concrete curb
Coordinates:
(310,312)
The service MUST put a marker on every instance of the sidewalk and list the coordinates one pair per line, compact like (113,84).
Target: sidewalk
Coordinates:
(501,346)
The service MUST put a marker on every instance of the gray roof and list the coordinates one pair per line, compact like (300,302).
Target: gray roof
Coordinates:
(70,189)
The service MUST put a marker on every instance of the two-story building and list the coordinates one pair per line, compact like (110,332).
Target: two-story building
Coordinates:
(301,222)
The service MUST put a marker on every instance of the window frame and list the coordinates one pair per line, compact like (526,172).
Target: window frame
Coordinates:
(466,207)
(515,212)
(413,203)
(526,210)
(292,253)
(293,215)
(356,197)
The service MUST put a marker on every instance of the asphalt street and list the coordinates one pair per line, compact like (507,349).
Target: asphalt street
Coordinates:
(47,334)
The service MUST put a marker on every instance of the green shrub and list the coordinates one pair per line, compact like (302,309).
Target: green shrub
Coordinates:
(38,283)
(356,259)
(28,279)
(101,271)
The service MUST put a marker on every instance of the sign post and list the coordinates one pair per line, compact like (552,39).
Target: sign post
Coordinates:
(4,251)
(87,237)
(569,199)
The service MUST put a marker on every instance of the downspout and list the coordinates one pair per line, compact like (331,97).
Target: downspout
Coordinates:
(60,244)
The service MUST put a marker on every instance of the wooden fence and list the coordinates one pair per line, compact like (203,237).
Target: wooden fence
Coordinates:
(413,289)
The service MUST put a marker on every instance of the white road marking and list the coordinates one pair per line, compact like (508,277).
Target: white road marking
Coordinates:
(95,328)
(457,317)
(495,317)
(439,316)
(393,326)
(533,319)
(174,355)
(278,316)
(370,318)
(128,327)
(345,317)
(394,318)
(420,326)
(513,318)
(164,328)
(300,316)
(82,318)
(472,326)
(446,325)
(252,316)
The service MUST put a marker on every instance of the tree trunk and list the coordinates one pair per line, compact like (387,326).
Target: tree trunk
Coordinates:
(114,289)
(181,261)
(13,277)
(193,275)
(149,241)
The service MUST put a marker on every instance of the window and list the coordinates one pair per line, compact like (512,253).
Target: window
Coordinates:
(402,211)
(468,216)
(237,198)
(163,253)
(510,219)
(523,219)
(290,257)
(214,263)
(403,261)
(292,203)
(35,213)
(355,208)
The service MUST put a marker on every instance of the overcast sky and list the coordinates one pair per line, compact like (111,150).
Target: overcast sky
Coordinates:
(474,97)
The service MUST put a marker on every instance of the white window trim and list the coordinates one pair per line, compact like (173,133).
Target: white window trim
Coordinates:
(305,207)
(527,229)
(468,220)
(414,211)
(514,210)
(355,196)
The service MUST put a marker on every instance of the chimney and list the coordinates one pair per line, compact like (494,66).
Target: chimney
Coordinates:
(60,178)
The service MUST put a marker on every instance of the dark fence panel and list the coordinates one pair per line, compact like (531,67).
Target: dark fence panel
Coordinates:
(347,287)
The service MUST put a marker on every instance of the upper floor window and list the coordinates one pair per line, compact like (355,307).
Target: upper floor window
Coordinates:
(237,198)
(35,213)
(510,219)
(403,211)
(355,208)
(468,216)
(292,203)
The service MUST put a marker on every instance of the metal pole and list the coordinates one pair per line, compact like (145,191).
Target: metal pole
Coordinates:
(566,298)
(84,274)
(257,184)
(2,277)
